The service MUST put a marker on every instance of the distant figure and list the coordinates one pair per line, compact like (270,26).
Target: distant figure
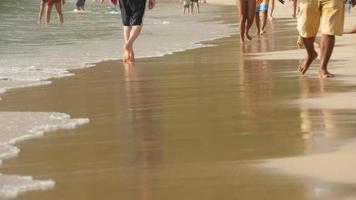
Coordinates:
(330,15)
(132,13)
(80,5)
(42,9)
(261,7)
(294,7)
(196,2)
(58,5)
(246,11)
(186,6)
(272,9)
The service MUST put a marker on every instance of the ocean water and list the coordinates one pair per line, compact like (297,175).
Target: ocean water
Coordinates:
(33,54)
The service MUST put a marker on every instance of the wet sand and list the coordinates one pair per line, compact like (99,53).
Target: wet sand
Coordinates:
(193,125)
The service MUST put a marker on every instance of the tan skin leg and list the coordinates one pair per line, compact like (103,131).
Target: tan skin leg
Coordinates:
(129,55)
(42,9)
(59,12)
(327,44)
(127,31)
(294,14)
(258,25)
(311,54)
(241,8)
(251,9)
(48,13)
(264,21)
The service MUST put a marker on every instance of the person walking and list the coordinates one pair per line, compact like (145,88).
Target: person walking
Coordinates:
(132,13)
(329,15)
(246,10)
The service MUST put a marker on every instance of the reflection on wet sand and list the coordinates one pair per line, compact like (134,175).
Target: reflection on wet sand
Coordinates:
(142,152)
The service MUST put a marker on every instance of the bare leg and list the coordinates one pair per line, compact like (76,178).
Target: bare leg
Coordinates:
(59,12)
(258,23)
(251,11)
(48,13)
(311,54)
(241,7)
(300,42)
(42,9)
(127,32)
(135,32)
(294,8)
(326,49)
(264,21)
(198,7)
(272,9)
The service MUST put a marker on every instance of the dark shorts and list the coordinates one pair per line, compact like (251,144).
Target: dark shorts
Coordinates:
(132,11)
(80,3)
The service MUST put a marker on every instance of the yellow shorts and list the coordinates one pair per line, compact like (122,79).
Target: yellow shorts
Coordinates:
(328,14)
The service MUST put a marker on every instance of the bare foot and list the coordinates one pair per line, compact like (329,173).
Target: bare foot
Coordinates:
(125,55)
(304,66)
(262,32)
(300,43)
(271,18)
(132,56)
(325,74)
(248,36)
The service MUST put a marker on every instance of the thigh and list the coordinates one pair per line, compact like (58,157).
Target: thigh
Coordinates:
(332,17)
(242,7)
(58,6)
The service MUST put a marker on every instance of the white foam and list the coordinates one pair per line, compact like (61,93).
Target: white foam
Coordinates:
(18,126)
(11,186)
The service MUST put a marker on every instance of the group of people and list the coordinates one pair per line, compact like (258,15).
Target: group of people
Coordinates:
(328,15)
(188,6)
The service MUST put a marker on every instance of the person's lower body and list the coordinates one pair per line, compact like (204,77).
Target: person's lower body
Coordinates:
(80,5)
(329,15)
(58,5)
(132,13)
(262,8)
(42,10)
(192,6)
(246,10)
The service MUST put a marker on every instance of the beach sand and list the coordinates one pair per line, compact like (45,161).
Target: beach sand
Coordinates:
(208,123)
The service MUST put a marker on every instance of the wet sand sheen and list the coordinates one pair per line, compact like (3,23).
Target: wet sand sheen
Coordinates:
(185,126)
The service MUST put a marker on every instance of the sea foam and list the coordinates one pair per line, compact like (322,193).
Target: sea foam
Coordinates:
(18,126)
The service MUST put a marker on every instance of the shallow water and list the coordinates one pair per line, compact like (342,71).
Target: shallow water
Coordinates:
(31,53)
(193,125)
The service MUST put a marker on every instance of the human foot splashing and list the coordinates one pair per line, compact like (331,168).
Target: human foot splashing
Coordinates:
(304,66)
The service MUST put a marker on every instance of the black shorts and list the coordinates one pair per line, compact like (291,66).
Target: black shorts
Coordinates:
(80,3)
(132,11)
